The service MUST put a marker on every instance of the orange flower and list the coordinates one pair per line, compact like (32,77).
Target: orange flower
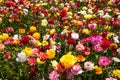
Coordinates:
(80,58)
(51,53)
(21,31)
(2,46)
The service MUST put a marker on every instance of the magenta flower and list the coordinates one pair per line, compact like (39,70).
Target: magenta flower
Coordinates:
(104,61)
(54,75)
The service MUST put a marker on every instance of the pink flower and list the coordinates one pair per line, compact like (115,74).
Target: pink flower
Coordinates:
(32,61)
(54,75)
(10,29)
(80,47)
(110,78)
(35,52)
(98,48)
(104,61)
(76,69)
(88,65)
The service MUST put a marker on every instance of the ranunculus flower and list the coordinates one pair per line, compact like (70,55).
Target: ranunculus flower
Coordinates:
(10,29)
(21,57)
(54,75)
(98,48)
(32,61)
(104,61)
(116,73)
(110,78)
(89,65)
(7,55)
(71,41)
(51,53)
(75,35)
(68,60)
(2,46)
(33,72)
(76,69)
(80,47)
(36,35)
(25,40)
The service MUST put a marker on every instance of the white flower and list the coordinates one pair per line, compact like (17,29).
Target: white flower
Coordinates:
(44,22)
(83,12)
(115,38)
(54,47)
(64,31)
(118,50)
(21,57)
(118,17)
(89,65)
(75,35)
(16,1)
(25,11)
(100,13)
(54,64)
(46,37)
(116,59)
(16,37)
(106,16)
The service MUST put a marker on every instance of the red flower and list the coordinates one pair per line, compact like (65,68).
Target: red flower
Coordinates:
(25,40)
(105,43)
(7,55)
(33,72)
(4,30)
(60,67)
(63,13)
(44,12)
(43,56)
(51,21)
(71,41)
(32,61)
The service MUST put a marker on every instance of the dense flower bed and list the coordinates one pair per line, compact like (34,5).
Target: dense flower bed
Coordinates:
(60,39)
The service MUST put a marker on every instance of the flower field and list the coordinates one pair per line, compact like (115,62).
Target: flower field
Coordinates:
(59,40)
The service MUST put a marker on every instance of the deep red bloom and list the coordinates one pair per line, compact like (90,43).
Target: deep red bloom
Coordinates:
(33,72)
(63,13)
(51,21)
(4,30)
(105,43)
(25,40)
(71,41)
(44,12)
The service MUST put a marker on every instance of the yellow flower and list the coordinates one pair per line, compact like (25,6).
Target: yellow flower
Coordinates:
(36,35)
(39,61)
(51,53)
(88,16)
(11,20)
(109,35)
(86,31)
(116,73)
(52,31)
(84,8)
(28,51)
(38,43)
(68,60)
(107,27)
(16,42)
(69,13)
(54,64)
(32,28)
(5,36)
(37,5)
(98,70)
(44,43)
(52,42)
